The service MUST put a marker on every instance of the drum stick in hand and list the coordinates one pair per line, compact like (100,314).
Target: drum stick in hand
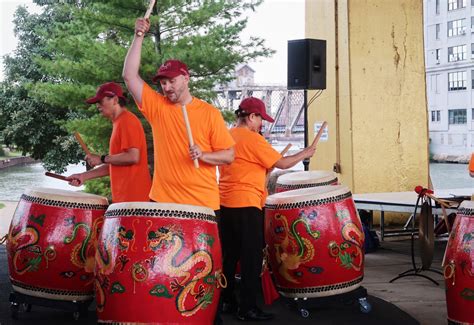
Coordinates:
(148,13)
(81,142)
(188,131)
(320,133)
(53,175)
(284,151)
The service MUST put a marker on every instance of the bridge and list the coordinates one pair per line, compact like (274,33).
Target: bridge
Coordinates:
(285,106)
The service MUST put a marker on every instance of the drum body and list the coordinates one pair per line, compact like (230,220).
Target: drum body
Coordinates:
(458,266)
(305,179)
(315,241)
(158,263)
(52,242)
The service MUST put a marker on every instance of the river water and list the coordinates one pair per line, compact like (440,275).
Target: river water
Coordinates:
(14,180)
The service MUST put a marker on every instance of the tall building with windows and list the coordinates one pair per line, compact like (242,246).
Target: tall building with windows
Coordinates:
(449,57)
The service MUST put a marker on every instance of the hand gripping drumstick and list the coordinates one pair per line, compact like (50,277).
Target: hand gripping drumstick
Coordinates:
(61,177)
(320,132)
(188,130)
(148,13)
(81,142)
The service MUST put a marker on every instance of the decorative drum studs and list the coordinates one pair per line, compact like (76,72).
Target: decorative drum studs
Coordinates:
(315,241)
(52,242)
(158,263)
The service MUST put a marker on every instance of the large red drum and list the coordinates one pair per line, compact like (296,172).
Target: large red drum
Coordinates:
(305,179)
(52,242)
(315,241)
(158,263)
(458,266)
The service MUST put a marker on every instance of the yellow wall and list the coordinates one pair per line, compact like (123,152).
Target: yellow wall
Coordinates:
(375,101)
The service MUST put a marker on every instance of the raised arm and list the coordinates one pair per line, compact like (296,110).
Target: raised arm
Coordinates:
(132,61)
(290,161)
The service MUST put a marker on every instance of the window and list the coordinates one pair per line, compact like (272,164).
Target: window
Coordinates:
(434,83)
(472,23)
(472,50)
(457,80)
(456,4)
(457,116)
(456,53)
(437,6)
(438,56)
(435,116)
(456,27)
(438,30)
(472,113)
(472,79)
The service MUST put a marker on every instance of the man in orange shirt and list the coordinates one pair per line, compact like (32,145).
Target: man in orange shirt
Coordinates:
(176,179)
(471,166)
(242,188)
(127,161)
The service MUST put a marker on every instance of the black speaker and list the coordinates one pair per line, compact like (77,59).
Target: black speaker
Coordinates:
(307,64)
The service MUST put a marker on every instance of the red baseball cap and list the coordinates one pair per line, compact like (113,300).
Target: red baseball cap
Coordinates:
(109,89)
(171,69)
(255,105)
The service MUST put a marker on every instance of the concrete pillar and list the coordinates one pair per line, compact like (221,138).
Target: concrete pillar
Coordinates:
(375,101)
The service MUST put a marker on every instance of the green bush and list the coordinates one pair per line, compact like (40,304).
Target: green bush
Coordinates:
(100,186)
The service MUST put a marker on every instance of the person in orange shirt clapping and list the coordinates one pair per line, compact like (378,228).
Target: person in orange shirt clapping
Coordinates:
(242,188)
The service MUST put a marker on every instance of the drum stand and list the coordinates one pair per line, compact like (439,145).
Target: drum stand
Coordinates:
(303,304)
(416,271)
(25,302)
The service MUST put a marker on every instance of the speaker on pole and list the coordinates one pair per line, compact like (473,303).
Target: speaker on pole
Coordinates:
(307,64)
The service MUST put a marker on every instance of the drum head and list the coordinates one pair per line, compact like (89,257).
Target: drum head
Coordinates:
(466,208)
(322,177)
(426,236)
(320,193)
(52,194)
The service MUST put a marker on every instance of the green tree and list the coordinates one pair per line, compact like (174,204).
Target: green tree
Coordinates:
(84,43)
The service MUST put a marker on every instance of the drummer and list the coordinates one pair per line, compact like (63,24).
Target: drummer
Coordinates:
(127,161)
(242,187)
(471,166)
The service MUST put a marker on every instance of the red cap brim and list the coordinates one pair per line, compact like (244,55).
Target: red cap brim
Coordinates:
(94,99)
(267,118)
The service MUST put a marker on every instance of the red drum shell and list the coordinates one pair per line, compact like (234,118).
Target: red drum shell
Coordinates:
(315,241)
(458,266)
(52,241)
(158,263)
(305,179)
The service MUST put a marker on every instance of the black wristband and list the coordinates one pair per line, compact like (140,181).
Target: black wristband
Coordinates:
(102,158)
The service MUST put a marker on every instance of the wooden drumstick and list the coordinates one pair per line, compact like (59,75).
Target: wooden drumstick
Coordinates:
(320,133)
(284,151)
(148,13)
(53,175)
(81,142)
(188,131)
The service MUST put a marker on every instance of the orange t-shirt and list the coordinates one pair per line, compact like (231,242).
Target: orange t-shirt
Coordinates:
(471,164)
(132,182)
(176,179)
(242,184)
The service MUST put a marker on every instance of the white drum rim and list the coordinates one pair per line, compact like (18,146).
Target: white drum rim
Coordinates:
(307,177)
(53,194)
(467,204)
(307,194)
(160,206)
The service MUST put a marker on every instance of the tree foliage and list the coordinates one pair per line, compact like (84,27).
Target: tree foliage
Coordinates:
(69,49)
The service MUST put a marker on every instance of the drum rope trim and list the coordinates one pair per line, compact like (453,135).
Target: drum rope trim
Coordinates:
(50,291)
(298,205)
(160,213)
(321,288)
(58,203)
(466,212)
(308,185)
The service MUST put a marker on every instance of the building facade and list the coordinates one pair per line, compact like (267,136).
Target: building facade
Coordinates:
(449,60)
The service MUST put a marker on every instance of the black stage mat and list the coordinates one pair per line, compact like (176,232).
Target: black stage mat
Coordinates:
(334,313)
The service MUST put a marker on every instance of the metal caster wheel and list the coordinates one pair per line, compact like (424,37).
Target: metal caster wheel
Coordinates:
(365,306)
(304,313)
(14,309)
(76,315)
